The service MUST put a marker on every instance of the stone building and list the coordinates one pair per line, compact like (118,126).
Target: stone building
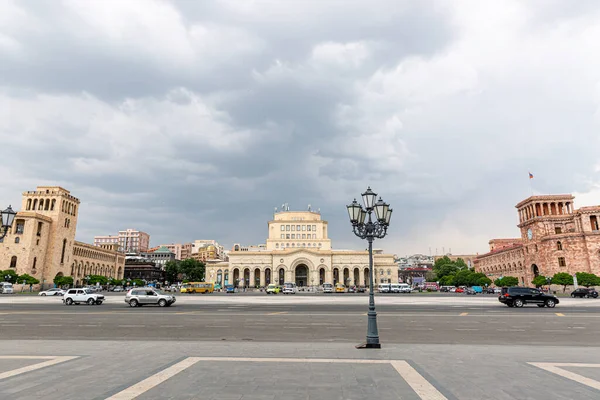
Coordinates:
(42,242)
(160,256)
(555,237)
(298,250)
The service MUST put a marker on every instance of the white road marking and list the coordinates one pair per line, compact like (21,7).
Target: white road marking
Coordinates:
(142,387)
(217,326)
(171,326)
(420,385)
(52,360)
(466,329)
(131,326)
(555,369)
(88,326)
(49,325)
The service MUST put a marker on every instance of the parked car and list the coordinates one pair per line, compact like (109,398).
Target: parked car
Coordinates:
(360,289)
(516,296)
(229,289)
(327,288)
(289,288)
(585,292)
(470,291)
(459,290)
(82,295)
(52,292)
(340,288)
(351,289)
(6,288)
(273,289)
(490,290)
(144,296)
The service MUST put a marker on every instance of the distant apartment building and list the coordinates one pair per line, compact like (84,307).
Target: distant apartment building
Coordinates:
(201,246)
(181,251)
(129,241)
(159,256)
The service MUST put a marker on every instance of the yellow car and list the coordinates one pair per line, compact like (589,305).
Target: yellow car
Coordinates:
(340,288)
(273,289)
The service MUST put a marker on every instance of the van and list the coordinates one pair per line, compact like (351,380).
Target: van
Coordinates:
(394,288)
(383,288)
(405,288)
(289,288)
(6,288)
(327,288)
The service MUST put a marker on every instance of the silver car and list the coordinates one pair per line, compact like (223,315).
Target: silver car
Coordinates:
(138,297)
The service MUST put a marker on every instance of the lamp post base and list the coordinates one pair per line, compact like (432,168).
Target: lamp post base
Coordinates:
(368,346)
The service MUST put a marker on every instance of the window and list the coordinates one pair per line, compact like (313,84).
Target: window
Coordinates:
(287,236)
(293,235)
(297,227)
(314,228)
(52,206)
(20,227)
(594,222)
(17,239)
(13,262)
(276,244)
(562,262)
(62,254)
(282,228)
(304,236)
(34,263)
(308,228)
(314,236)
(557,230)
(28,204)
(303,227)
(39,229)
(559,245)
(283,235)
(293,228)
(287,228)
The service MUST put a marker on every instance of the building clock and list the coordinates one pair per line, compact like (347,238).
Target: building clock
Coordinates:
(529,234)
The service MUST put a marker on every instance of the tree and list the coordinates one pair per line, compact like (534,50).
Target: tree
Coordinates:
(484,281)
(430,276)
(447,280)
(463,278)
(460,264)
(479,279)
(192,270)
(539,281)
(442,261)
(171,271)
(115,282)
(507,281)
(61,281)
(28,279)
(9,275)
(102,280)
(562,278)
(586,279)
(444,270)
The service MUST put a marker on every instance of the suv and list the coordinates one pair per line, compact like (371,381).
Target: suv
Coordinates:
(516,296)
(585,292)
(82,295)
(327,288)
(272,289)
(138,297)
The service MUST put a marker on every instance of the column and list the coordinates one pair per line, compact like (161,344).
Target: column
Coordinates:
(288,276)
(361,276)
(262,277)
(329,275)
(251,282)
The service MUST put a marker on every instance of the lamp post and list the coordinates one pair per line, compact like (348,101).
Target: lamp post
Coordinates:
(7,216)
(370,230)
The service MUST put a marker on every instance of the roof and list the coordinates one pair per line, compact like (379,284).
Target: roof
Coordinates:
(162,249)
(546,197)
(516,246)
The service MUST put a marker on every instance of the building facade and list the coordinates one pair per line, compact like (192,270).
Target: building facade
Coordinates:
(129,241)
(42,242)
(298,250)
(181,251)
(160,256)
(200,245)
(555,237)
(145,270)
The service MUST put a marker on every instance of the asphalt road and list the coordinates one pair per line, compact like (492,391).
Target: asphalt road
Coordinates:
(404,323)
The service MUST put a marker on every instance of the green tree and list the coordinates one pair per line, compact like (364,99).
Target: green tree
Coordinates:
(586,279)
(442,261)
(9,275)
(430,276)
(479,279)
(115,282)
(484,281)
(506,281)
(447,280)
(445,270)
(102,280)
(193,270)
(539,281)
(28,279)
(171,271)
(138,282)
(61,281)
(562,278)
(461,264)
(463,278)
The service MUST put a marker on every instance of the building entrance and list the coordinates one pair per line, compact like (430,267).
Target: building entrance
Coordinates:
(301,275)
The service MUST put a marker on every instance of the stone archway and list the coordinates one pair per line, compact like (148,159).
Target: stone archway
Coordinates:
(346,281)
(321,276)
(256,282)
(367,283)
(336,276)
(267,276)
(246,277)
(356,277)
(535,270)
(236,277)
(281,276)
(301,275)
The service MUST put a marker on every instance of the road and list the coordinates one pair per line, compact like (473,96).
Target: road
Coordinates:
(249,347)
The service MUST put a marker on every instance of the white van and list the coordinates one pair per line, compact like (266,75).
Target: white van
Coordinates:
(289,288)
(383,288)
(405,288)
(395,288)
(6,288)
(327,288)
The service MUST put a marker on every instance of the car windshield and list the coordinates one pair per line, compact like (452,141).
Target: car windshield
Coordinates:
(88,291)
(158,291)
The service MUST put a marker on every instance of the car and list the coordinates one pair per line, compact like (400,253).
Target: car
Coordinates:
(340,288)
(490,290)
(138,297)
(517,296)
(289,288)
(229,289)
(327,288)
(351,289)
(585,292)
(52,292)
(470,291)
(360,289)
(273,289)
(459,290)
(82,295)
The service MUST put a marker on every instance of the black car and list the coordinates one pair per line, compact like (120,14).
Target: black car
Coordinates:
(584,292)
(516,296)
(470,291)
(360,289)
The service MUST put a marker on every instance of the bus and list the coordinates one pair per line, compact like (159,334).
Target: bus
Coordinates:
(197,287)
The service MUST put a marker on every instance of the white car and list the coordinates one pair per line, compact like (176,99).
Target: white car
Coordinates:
(327,288)
(6,288)
(289,288)
(82,295)
(52,292)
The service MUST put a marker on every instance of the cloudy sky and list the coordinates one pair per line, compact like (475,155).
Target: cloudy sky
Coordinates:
(193,120)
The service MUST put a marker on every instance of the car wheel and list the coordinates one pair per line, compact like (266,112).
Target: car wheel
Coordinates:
(43,294)
(519,303)
(550,303)
(162,302)
(540,305)
(133,303)
(509,304)
(595,296)
(587,296)
(572,295)
(69,301)
(91,302)
(99,302)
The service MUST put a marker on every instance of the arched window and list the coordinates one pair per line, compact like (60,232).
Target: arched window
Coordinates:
(47,206)
(34,204)
(559,245)
(34,263)
(17,239)
(52,205)
(41,206)
(28,204)
(13,262)
(62,254)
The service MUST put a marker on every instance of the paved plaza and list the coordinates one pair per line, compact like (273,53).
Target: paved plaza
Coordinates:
(302,347)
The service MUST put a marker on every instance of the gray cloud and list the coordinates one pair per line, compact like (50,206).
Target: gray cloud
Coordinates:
(194,119)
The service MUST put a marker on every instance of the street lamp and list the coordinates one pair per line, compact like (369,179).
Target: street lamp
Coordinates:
(7,216)
(370,230)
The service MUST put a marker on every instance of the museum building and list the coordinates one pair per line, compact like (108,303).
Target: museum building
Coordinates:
(555,237)
(42,242)
(298,250)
